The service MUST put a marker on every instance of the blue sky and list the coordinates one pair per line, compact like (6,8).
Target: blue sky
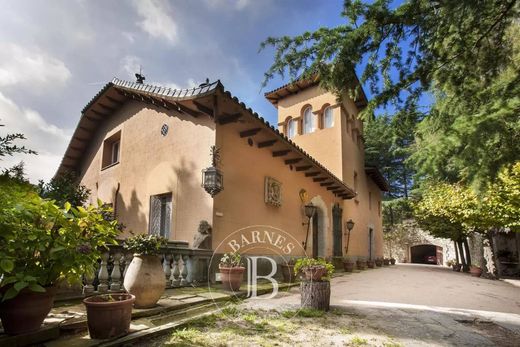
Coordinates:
(57,54)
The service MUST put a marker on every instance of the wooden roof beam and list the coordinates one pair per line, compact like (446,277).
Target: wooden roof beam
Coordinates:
(333,188)
(229,118)
(281,153)
(115,101)
(292,161)
(185,109)
(203,109)
(108,108)
(312,174)
(267,143)
(319,179)
(250,132)
(303,168)
(324,184)
(103,115)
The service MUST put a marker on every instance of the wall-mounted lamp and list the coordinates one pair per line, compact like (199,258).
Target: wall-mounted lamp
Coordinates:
(212,178)
(309,210)
(349,225)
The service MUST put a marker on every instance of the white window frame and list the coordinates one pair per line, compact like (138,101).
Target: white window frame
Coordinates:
(115,150)
(291,128)
(328,117)
(309,121)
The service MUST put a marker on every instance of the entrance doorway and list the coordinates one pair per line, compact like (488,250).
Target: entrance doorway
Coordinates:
(424,254)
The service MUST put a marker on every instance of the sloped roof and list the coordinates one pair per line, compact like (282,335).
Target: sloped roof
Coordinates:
(303,83)
(194,102)
(378,178)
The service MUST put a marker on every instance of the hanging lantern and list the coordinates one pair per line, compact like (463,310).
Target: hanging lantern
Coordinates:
(310,210)
(212,178)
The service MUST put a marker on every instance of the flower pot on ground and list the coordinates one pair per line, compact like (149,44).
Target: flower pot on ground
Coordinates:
(231,271)
(315,288)
(43,244)
(392,261)
(349,263)
(109,315)
(25,312)
(454,265)
(361,263)
(371,264)
(144,277)
(475,271)
(379,262)
(386,261)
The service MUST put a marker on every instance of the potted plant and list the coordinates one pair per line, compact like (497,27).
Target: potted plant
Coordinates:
(145,276)
(475,270)
(386,261)
(371,264)
(315,289)
(392,261)
(231,271)
(453,264)
(288,271)
(379,262)
(109,315)
(349,263)
(42,244)
(361,263)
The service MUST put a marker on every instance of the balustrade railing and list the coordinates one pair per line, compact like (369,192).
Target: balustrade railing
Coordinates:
(182,267)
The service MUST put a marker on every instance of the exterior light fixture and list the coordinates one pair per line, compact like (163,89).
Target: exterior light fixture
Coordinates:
(212,178)
(349,225)
(309,210)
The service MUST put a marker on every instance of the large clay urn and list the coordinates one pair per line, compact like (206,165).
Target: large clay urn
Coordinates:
(145,279)
(231,277)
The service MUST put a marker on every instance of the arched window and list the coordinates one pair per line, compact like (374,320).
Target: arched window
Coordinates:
(308,121)
(328,118)
(291,128)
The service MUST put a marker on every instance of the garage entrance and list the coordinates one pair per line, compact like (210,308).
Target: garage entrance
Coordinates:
(424,254)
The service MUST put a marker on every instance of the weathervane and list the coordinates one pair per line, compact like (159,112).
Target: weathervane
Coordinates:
(139,76)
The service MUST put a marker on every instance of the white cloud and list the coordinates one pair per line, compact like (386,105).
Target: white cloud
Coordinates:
(156,20)
(130,65)
(224,4)
(30,66)
(47,139)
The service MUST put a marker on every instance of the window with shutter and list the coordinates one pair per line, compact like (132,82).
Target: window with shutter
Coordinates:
(161,214)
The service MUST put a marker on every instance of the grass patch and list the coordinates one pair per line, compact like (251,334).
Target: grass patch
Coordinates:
(392,344)
(358,341)
(304,312)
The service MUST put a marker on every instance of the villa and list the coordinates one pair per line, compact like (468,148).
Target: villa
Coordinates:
(169,159)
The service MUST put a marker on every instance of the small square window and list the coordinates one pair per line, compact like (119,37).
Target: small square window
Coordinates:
(111,150)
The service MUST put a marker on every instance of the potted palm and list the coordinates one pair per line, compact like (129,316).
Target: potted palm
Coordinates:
(315,288)
(145,276)
(231,271)
(349,263)
(41,245)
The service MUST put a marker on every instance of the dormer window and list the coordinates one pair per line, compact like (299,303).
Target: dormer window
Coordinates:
(328,118)
(291,128)
(309,124)
(111,150)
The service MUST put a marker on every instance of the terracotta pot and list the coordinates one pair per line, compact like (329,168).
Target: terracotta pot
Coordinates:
(314,273)
(231,277)
(371,264)
(392,261)
(108,319)
(25,312)
(288,273)
(348,266)
(361,265)
(475,271)
(145,279)
(379,262)
(456,267)
(386,261)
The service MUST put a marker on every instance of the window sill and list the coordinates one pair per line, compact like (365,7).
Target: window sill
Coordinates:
(109,166)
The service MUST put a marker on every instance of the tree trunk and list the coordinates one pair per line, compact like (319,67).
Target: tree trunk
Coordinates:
(462,258)
(468,255)
(315,295)
(456,252)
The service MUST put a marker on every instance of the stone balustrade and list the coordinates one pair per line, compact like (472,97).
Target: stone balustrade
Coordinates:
(182,267)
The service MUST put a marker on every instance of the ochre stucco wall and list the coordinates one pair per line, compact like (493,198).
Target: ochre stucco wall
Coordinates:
(241,204)
(342,154)
(153,164)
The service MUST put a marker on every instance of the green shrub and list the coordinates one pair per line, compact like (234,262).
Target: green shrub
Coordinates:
(145,244)
(42,244)
(306,263)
